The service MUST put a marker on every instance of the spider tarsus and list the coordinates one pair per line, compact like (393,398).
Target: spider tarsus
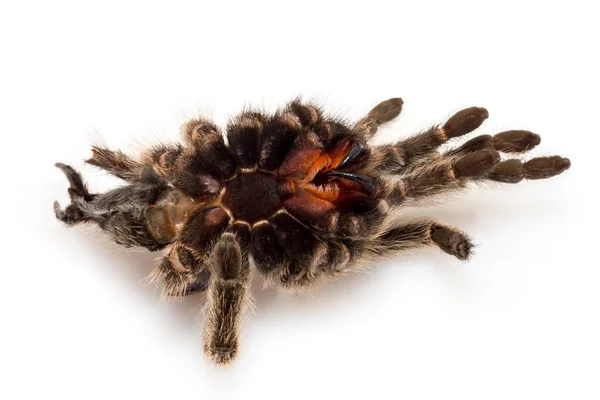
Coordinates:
(514,171)
(476,164)
(74,178)
(58,212)
(515,141)
(451,241)
(545,167)
(480,142)
(221,355)
(508,171)
(387,110)
(465,121)
(382,113)
(70,215)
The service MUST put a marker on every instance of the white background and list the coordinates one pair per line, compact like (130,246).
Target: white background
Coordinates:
(518,321)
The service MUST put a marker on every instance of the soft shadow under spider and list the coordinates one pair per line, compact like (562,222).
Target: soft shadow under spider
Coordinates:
(134,267)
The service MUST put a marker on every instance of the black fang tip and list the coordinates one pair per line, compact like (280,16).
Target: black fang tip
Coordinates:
(356,151)
(366,182)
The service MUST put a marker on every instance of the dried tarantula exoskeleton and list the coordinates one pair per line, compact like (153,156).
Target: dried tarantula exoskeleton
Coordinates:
(297,195)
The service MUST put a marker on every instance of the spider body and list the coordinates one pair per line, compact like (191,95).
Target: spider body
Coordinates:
(296,195)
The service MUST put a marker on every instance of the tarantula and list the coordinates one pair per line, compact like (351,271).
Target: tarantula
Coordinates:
(297,195)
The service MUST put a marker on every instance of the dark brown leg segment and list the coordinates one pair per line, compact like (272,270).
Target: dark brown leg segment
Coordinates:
(424,234)
(514,171)
(443,175)
(120,212)
(116,162)
(380,114)
(397,158)
(152,166)
(506,142)
(77,187)
(77,191)
(228,295)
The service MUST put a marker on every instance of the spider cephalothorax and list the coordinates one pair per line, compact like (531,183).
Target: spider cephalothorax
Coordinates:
(296,195)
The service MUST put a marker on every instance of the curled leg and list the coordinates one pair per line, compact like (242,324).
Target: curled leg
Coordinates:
(228,295)
(423,234)
(77,187)
(383,112)
(122,213)
(77,190)
(180,272)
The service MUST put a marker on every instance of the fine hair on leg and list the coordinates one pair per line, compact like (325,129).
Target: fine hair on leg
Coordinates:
(228,297)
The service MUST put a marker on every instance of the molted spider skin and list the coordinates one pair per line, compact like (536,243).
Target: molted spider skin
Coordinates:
(298,196)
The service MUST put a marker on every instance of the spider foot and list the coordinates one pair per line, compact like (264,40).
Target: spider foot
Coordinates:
(505,142)
(382,113)
(77,192)
(464,121)
(60,213)
(513,170)
(70,215)
(386,110)
(515,141)
(477,164)
(451,241)
(221,355)
(77,187)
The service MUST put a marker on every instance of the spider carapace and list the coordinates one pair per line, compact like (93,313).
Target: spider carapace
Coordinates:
(296,195)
